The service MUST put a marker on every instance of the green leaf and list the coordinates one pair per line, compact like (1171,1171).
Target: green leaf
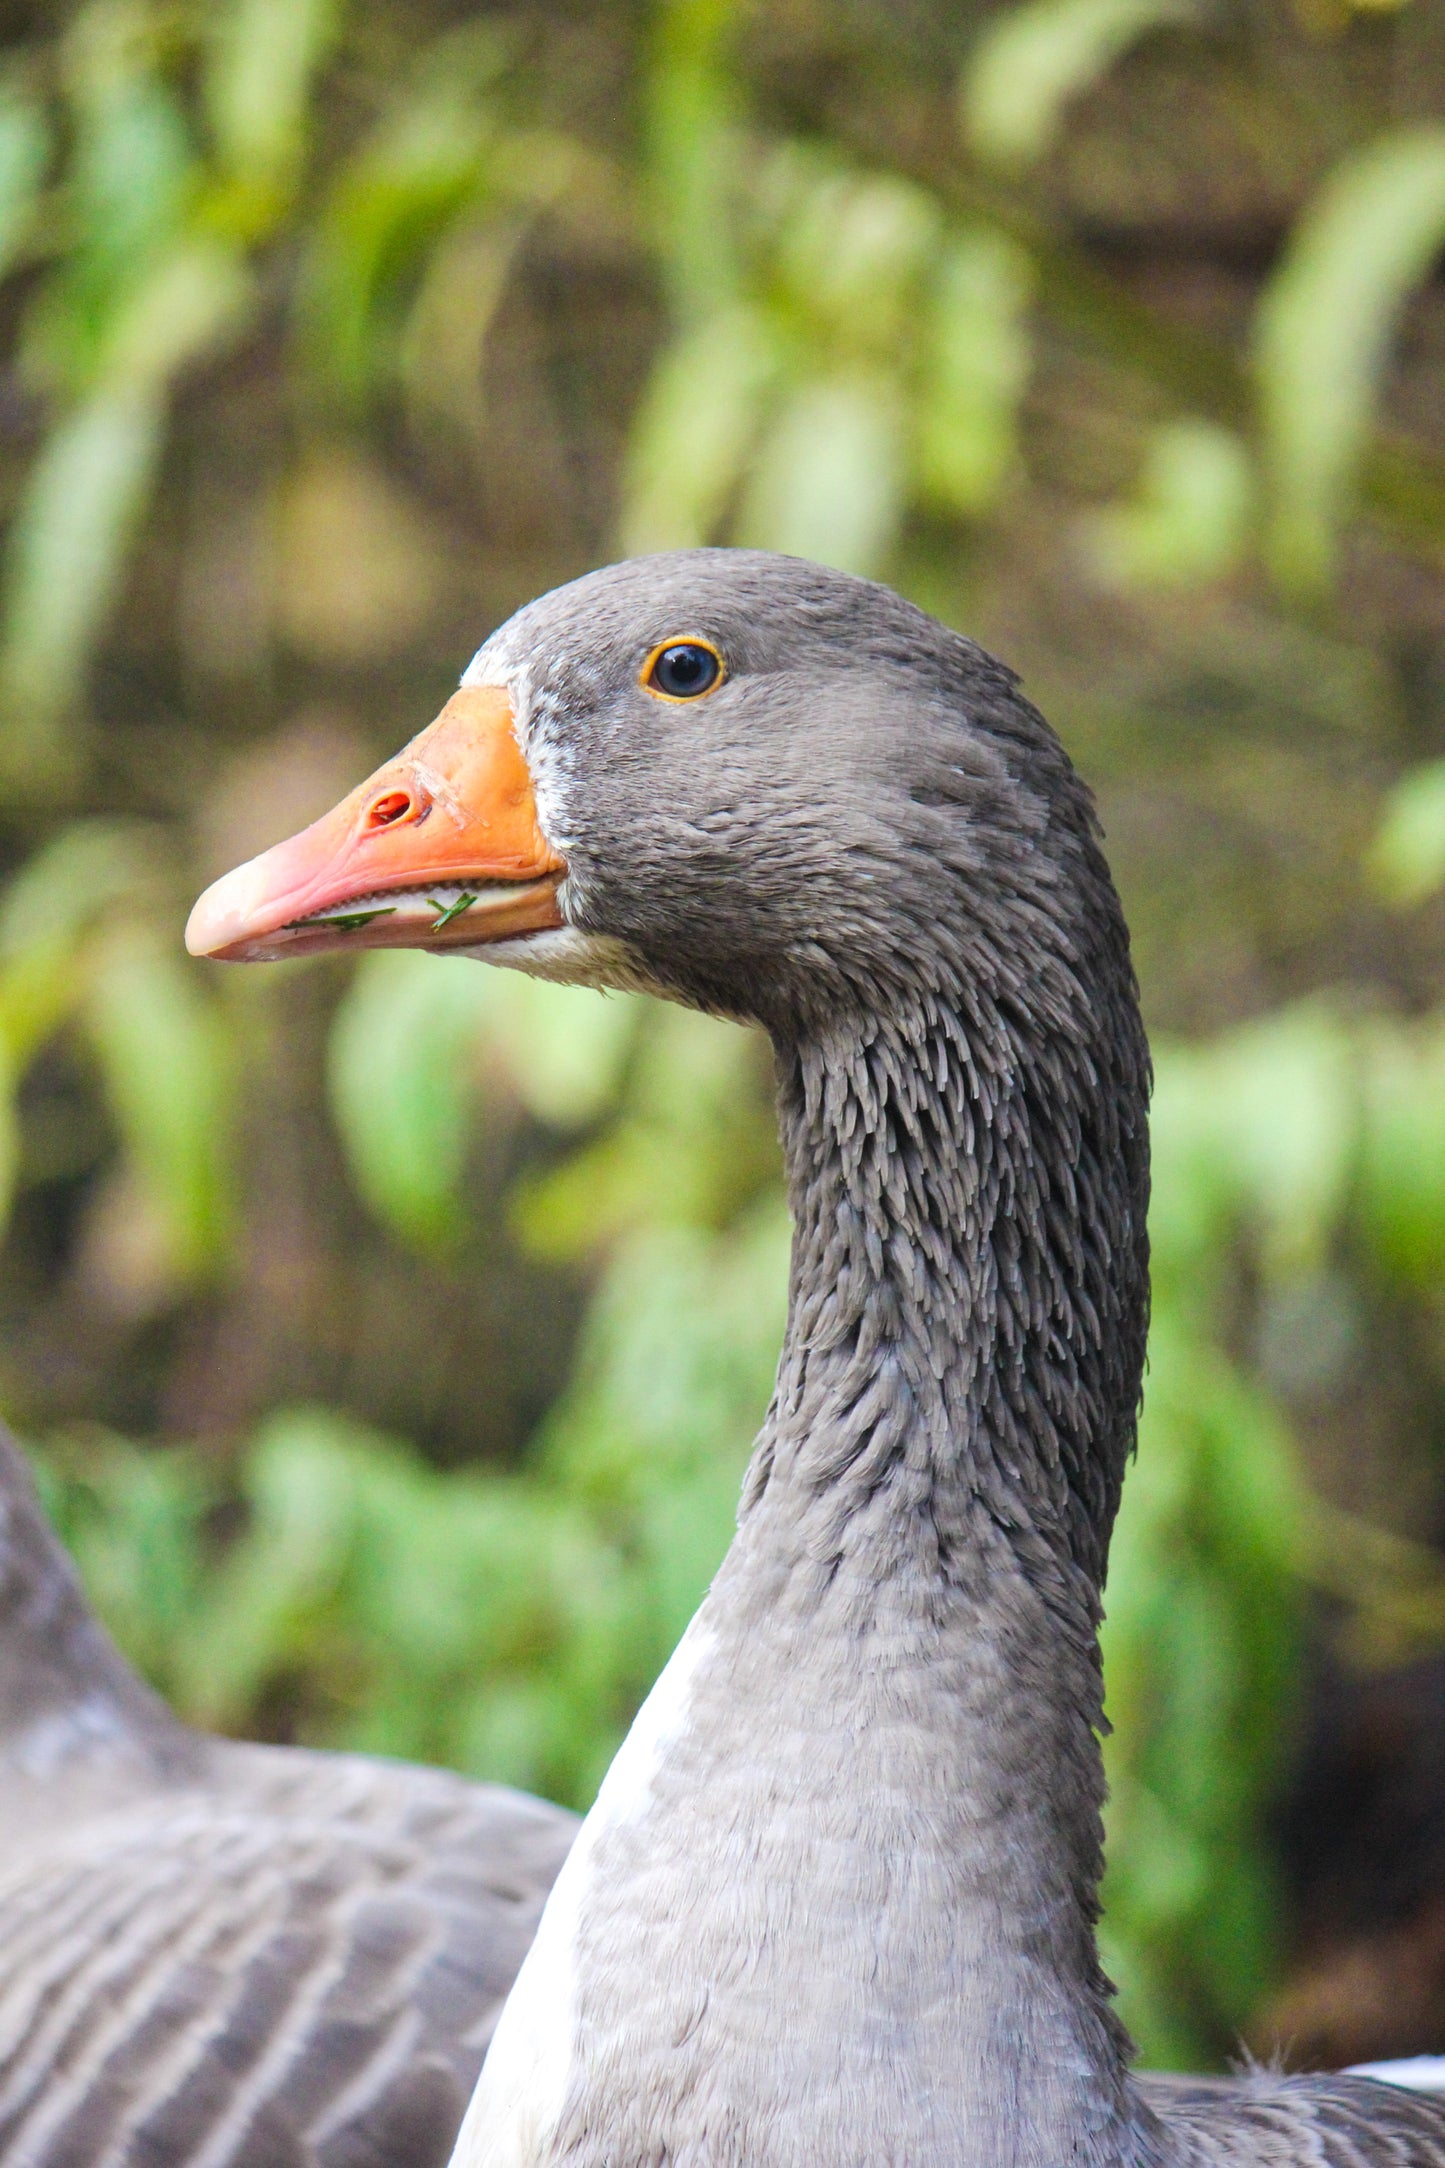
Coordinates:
(1260,1125)
(690,122)
(167,1072)
(694,1145)
(409,1050)
(403,1075)
(193,300)
(1202,1613)
(353,921)
(443,347)
(1032,60)
(85,873)
(1324,330)
(263,1605)
(446,912)
(1190,519)
(24,156)
(1406,859)
(134,169)
(64,554)
(419,169)
(975,363)
(697,424)
(1286,1118)
(9,1119)
(851,251)
(1402,1175)
(132,1520)
(828,481)
(563,1047)
(79,876)
(85,494)
(261,60)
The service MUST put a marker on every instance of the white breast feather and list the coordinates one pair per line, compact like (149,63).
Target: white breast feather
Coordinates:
(520,2094)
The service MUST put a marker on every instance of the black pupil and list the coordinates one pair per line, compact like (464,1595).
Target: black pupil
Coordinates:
(685,670)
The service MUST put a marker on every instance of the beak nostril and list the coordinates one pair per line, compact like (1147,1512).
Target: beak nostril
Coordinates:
(391,806)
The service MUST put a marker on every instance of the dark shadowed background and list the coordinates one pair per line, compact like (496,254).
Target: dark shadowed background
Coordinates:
(389,1340)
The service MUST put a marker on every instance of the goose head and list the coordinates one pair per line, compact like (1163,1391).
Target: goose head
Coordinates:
(783,794)
(744,781)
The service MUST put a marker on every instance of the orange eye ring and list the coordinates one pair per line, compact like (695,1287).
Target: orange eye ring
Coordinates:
(666,670)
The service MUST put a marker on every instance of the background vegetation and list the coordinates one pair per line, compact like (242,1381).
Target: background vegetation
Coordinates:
(390,1341)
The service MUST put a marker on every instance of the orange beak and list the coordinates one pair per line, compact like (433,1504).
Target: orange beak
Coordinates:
(440,849)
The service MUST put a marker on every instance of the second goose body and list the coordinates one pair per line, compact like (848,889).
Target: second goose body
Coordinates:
(835,1906)
(215,1955)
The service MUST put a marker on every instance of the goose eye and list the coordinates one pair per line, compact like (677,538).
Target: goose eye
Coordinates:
(682,670)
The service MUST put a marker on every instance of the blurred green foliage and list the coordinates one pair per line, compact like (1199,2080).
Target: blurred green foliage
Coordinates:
(508,1624)
(329,333)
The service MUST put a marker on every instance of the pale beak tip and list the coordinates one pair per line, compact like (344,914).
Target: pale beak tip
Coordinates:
(219,917)
(198,927)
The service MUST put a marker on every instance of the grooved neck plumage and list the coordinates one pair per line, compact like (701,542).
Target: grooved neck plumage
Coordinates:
(939,1469)
(969,1288)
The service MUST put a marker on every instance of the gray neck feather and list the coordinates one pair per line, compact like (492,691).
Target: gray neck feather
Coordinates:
(939,1470)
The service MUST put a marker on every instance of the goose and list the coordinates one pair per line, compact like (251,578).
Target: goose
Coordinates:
(835,1904)
(216,1955)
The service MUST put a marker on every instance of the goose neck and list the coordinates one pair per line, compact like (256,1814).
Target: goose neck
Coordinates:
(926,1518)
(969,1281)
